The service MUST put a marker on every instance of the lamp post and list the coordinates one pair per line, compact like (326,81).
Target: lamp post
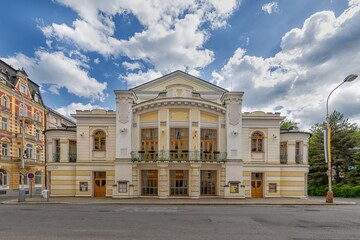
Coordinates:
(329,194)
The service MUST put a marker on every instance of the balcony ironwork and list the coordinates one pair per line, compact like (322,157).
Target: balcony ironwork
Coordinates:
(56,157)
(5,109)
(178,156)
(72,157)
(283,158)
(298,159)
(33,162)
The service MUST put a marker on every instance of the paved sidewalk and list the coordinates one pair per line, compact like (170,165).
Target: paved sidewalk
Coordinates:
(179,201)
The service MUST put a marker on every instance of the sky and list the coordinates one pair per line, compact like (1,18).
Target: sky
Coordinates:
(285,55)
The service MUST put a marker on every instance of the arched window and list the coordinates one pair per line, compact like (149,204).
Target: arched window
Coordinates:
(38,177)
(29,151)
(257,142)
(4,101)
(22,110)
(37,117)
(99,140)
(3,178)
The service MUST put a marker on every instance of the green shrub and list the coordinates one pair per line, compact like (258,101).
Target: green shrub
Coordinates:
(341,190)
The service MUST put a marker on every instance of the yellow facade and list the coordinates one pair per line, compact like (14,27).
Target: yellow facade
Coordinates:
(22,118)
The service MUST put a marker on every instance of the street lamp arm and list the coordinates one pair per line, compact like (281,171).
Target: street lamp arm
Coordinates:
(327,101)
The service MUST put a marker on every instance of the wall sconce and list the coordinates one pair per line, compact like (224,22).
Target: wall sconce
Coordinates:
(123,130)
(82,134)
(235,133)
(163,130)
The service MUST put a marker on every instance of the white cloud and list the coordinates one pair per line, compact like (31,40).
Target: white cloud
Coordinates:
(60,71)
(313,60)
(132,66)
(135,79)
(71,109)
(96,61)
(271,7)
(171,39)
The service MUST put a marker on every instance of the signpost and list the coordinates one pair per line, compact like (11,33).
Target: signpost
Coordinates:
(30,177)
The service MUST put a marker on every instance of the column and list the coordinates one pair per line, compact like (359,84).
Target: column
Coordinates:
(163,180)
(195,180)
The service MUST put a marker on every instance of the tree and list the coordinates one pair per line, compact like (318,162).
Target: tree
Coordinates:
(288,124)
(343,140)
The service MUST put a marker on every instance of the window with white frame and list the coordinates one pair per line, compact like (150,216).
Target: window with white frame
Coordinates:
(4,124)
(4,101)
(4,149)
(25,179)
(38,177)
(22,110)
(37,117)
(36,98)
(37,136)
(29,151)
(23,88)
(3,178)
(38,155)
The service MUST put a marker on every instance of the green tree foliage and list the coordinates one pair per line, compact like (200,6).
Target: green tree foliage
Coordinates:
(288,124)
(343,141)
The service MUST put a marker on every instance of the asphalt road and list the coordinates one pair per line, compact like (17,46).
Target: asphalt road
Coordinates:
(113,221)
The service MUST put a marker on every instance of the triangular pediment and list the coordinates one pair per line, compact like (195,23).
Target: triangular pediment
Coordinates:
(177,78)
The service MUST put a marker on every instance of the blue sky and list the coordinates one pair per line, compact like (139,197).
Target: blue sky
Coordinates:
(286,55)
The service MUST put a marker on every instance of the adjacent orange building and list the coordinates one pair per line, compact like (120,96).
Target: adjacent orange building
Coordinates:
(22,117)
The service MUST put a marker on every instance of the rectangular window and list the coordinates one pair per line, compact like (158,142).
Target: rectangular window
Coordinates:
(37,135)
(122,187)
(272,187)
(5,149)
(38,156)
(179,182)
(23,88)
(36,98)
(4,124)
(208,144)
(179,144)
(149,182)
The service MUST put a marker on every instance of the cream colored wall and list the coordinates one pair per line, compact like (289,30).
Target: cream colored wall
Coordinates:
(208,117)
(290,180)
(179,115)
(83,144)
(149,117)
(273,145)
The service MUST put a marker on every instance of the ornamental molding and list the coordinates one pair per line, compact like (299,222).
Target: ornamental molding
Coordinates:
(176,102)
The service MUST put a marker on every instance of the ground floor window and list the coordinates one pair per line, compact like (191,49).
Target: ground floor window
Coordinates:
(37,177)
(3,178)
(208,182)
(149,182)
(179,182)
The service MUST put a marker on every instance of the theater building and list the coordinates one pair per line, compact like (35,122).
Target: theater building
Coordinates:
(177,136)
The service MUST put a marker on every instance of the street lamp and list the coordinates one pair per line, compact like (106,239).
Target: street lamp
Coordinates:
(329,194)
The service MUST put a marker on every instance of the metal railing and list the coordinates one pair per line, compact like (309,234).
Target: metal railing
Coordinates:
(72,157)
(56,157)
(178,156)
(298,159)
(283,158)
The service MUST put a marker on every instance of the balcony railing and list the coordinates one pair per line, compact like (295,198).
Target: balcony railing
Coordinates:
(5,109)
(72,157)
(33,162)
(178,156)
(298,159)
(56,157)
(283,158)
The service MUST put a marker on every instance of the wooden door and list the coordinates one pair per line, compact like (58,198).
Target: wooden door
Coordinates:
(99,184)
(257,184)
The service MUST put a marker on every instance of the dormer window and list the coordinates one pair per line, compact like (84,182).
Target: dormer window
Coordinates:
(23,88)
(36,98)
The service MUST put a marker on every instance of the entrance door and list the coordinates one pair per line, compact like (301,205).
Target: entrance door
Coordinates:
(149,182)
(179,182)
(257,185)
(99,184)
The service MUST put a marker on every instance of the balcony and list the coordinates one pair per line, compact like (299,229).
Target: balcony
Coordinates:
(56,157)
(28,137)
(283,158)
(298,159)
(27,118)
(33,162)
(9,159)
(72,157)
(178,156)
